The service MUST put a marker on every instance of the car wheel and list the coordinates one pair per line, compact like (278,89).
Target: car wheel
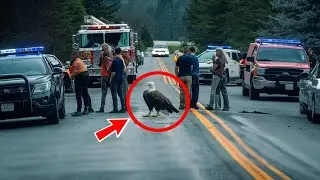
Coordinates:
(62,110)
(302,108)
(54,116)
(315,118)
(253,94)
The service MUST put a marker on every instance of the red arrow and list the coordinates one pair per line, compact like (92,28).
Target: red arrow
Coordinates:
(117,126)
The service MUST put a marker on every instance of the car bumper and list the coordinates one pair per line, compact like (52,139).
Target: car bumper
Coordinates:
(275,87)
(160,54)
(41,106)
(207,78)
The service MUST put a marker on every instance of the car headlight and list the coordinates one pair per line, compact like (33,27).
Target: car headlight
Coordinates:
(260,71)
(306,71)
(42,87)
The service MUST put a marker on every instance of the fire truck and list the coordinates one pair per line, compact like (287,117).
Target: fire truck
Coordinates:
(89,39)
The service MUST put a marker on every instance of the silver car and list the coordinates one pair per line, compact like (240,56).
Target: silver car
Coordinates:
(309,95)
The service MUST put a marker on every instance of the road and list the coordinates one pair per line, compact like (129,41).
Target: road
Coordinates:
(279,144)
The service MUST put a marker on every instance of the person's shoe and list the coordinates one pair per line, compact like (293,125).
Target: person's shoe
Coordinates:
(181,107)
(194,107)
(86,111)
(217,108)
(122,110)
(225,109)
(209,107)
(76,114)
(113,111)
(100,111)
(91,110)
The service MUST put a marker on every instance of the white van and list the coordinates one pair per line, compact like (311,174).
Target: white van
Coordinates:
(232,68)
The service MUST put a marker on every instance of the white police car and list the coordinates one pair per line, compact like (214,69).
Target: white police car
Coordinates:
(232,68)
(30,85)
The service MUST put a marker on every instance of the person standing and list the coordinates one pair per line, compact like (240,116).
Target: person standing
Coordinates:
(183,70)
(117,81)
(195,79)
(126,59)
(313,58)
(105,64)
(87,56)
(81,80)
(218,73)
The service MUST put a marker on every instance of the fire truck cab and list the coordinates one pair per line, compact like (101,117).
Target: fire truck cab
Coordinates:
(274,66)
(90,38)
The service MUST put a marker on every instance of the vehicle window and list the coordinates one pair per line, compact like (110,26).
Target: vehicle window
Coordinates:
(235,57)
(282,55)
(91,40)
(27,66)
(160,46)
(54,62)
(228,54)
(118,39)
(206,56)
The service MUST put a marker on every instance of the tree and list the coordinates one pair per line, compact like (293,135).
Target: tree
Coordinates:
(99,8)
(146,37)
(294,19)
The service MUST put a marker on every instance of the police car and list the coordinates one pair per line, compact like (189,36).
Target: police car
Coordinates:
(274,66)
(30,85)
(232,68)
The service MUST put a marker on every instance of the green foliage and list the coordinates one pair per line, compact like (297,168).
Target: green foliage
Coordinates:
(146,37)
(233,23)
(172,49)
(99,8)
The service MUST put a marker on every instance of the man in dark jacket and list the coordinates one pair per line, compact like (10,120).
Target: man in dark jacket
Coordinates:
(313,58)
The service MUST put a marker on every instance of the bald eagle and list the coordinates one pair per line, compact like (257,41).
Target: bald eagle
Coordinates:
(155,99)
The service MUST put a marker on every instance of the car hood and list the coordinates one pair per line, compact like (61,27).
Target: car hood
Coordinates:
(32,80)
(160,49)
(268,64)
(205,65)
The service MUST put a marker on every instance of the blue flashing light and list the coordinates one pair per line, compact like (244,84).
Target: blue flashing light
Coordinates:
(215,47)
(22,50)
(279,41)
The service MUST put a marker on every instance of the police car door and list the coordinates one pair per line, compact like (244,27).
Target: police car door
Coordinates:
(234,65)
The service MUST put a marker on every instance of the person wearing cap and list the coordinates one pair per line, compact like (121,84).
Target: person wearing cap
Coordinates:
(116,82)
(105,64)
(81,81)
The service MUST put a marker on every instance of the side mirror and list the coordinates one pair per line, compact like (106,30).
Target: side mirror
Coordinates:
(250,59)
(75,46)
(304,75)
(57,70)
(136,38)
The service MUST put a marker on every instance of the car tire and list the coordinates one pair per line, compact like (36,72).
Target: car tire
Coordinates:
(314,117)
(131,79)
(302,108)
(53,118)
(62,110)
(253,94)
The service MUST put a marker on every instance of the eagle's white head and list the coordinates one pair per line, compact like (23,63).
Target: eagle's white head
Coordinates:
(151,86)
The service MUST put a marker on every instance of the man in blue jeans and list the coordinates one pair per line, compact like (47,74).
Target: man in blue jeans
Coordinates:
(117,82)
(195,79)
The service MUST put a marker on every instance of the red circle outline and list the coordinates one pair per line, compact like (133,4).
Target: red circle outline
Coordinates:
(163,73)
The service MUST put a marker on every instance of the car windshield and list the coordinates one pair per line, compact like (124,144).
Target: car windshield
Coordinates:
(91,40)
(118,39)
(160,46)
(282,55)
(206,56)
(27,66)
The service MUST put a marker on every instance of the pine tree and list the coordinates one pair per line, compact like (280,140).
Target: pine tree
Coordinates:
(146,37)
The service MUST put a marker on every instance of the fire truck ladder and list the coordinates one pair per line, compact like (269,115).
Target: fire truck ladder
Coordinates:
(89,19)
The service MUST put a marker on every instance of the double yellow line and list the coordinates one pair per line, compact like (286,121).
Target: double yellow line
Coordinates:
(234,152)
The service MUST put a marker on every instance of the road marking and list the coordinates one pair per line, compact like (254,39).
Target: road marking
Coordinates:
(162,68)
(171,81)
(239,140)
(248,165)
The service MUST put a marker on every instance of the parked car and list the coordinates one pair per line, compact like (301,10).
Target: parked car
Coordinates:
(309,95)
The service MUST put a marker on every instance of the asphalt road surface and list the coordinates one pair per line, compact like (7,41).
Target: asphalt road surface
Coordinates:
(264,139)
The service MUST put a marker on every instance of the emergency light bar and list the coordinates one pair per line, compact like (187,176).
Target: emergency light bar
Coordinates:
(215,47)
(22,50)
(279,41)
(105,27)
